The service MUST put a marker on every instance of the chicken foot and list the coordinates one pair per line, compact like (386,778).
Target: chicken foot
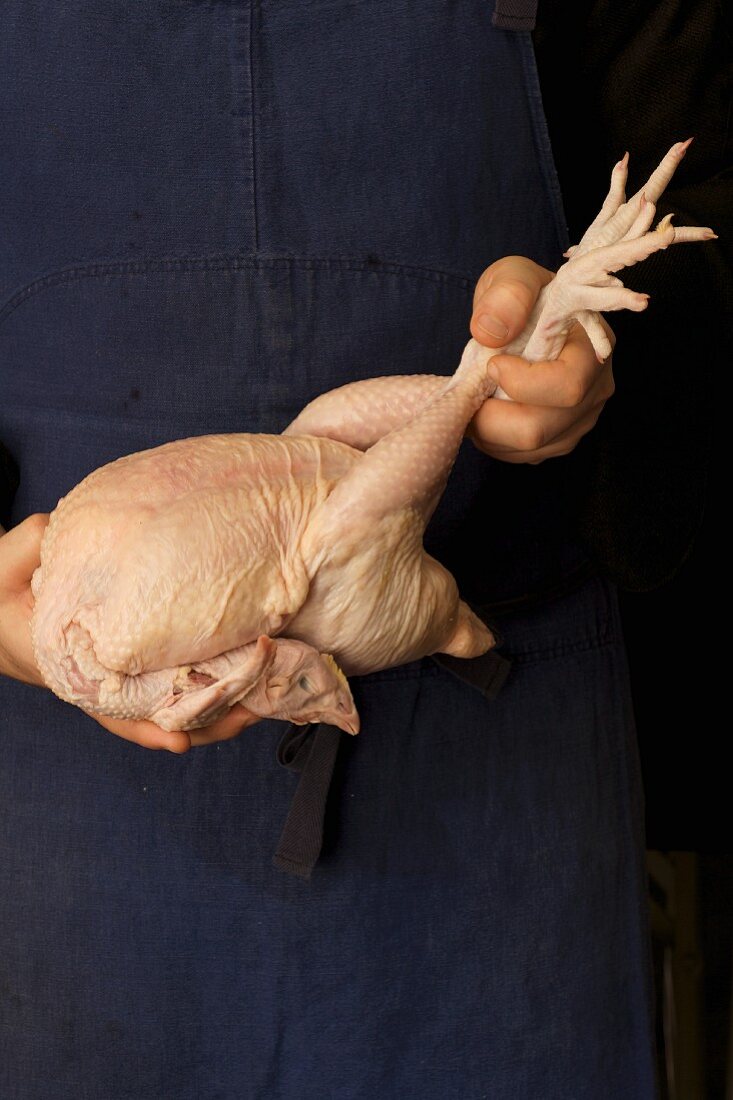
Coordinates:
(360,413)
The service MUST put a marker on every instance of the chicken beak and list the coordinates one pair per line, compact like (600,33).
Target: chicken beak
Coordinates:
(348,721)
(345,715)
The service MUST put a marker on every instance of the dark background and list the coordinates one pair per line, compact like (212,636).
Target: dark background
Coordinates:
(641,76)
(617,76)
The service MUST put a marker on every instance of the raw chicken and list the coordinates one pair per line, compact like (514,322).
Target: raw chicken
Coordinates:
(180,580)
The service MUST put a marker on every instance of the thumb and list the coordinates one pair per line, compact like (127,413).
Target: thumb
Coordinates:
(20,551)
(504,299)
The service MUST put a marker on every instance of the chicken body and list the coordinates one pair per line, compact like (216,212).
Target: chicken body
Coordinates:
(161,571)
(180,580)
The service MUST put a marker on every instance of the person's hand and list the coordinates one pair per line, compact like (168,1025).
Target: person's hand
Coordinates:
(553,404)
(19,557)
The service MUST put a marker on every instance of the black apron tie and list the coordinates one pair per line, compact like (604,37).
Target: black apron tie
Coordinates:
(486,673)
(515,15)
(310,750)
(313,749)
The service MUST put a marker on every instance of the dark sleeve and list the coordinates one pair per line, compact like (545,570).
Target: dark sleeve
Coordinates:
(8,484)
(641,77)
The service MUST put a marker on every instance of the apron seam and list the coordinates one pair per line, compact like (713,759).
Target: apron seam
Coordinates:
(542,138)
(242,111)
(253,117)
(227,262)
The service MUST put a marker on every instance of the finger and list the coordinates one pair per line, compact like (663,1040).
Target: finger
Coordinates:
(231,725)
(151,736)
(16,650)
(20,551)
(562,443)
(561,383)
(501,427)
(504,298)
(145,733)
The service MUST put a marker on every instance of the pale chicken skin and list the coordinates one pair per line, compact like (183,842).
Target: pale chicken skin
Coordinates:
(259,569)
(175,556)
(185,555)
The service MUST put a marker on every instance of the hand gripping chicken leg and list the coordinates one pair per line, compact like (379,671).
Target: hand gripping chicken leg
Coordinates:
(177,581)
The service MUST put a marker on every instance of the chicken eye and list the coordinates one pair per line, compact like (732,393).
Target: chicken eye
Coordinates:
(304,683)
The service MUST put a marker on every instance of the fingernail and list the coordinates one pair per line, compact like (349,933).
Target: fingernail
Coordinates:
(493,325)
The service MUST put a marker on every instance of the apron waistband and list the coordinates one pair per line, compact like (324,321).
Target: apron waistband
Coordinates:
(515,15)
(312,749)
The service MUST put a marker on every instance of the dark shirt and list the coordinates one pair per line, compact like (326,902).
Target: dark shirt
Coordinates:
(641,77)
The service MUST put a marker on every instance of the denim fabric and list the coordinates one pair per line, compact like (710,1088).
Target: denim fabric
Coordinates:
(236,207)
(216,211)
(474,928)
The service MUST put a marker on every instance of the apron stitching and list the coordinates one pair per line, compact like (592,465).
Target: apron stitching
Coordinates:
(511,22)
(242,79)
(229,262)
(604,637)
(255,227)
(542,138)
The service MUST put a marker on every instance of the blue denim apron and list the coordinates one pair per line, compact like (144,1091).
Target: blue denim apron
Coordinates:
(215,212)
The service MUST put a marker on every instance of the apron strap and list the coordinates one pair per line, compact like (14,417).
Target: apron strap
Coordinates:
(312,750)
(486,673)
(515,15)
